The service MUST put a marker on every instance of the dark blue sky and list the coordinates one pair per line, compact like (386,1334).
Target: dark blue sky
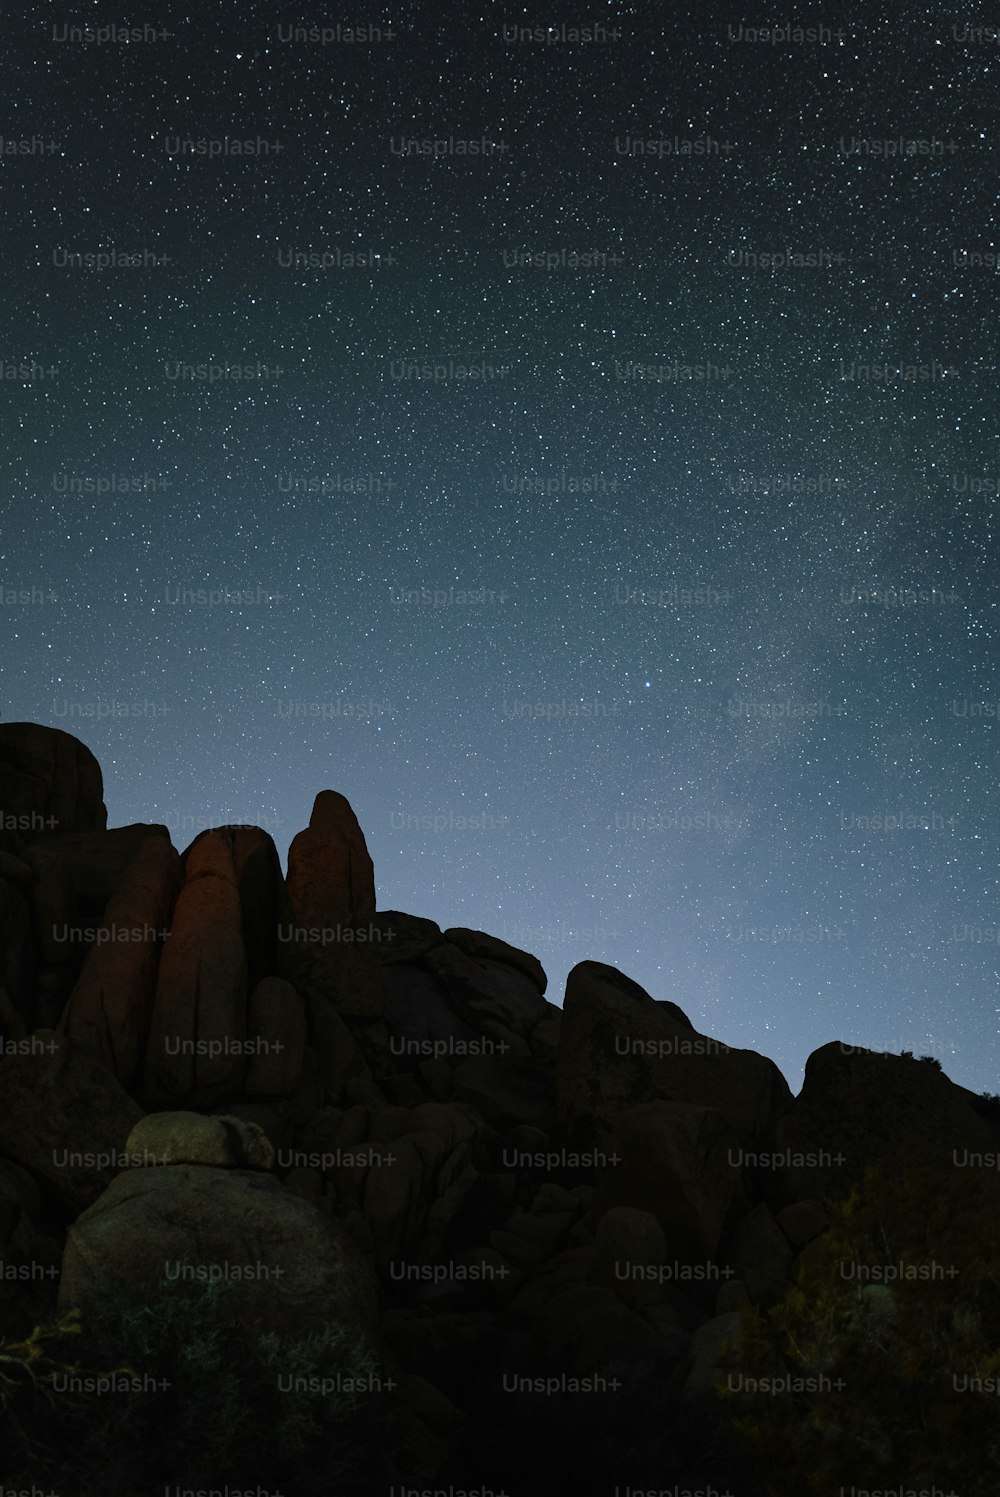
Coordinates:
(498,574)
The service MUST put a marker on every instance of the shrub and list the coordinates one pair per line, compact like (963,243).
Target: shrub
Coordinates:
(902,1350)
(209,1405)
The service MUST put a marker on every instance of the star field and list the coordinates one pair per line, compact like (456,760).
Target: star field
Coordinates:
(588,594)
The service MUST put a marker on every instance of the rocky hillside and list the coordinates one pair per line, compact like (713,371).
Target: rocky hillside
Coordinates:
(535,1226)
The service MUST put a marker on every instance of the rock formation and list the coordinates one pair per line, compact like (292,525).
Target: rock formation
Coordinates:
(228,1064)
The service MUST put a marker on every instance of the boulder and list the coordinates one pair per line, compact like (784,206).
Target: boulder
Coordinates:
(803,1221)
(110,1008)
(339,1056)
(629,1251)
(759,1253)
(17,960)
(331,879)
(544,1038)
(95,862)
(346,975)
(292,1267)
(573,1322)
(476,943)
(416,1155)
(20,1207)
(194,1052)
(421,1021)
(403,938)
(51,782)
(568,1269)
(480,989)
(264,906)
(331,893)
(19,1188)
(15,869)
(171,1138)
(396,1200)
(618,1047)
(12,1025)
(528,1239)
(732,1295)
(423,1419)
(505,1090)
(590,1329)
(859,1108)
(64,1117)
(53,986)
(271,1118)
(276,1020)
(674,1161)
(56,933)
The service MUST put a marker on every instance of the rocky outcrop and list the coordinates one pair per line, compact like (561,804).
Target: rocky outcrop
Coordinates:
(277,1032)
(860,1107)
(618,1047)
(64,1117)
(674,1161)
(95,863)
(396,1130)
(331,878)
(476,943)
(264,906)
(293,1267)
(110,1008)
(195,1051)
(17,954)
(51,783)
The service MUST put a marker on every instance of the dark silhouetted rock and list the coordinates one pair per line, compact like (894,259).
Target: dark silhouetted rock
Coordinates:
(859,1108)
(618,1047)
(343,1092)
(803,1221)
(276,1017)
(198,1025)
(95,862)
(342,974)
(490,948)
(340,1059)
(16,870)
(505,1090)
(481,990)
(674,1160)
(64,1117)
(331,891)
(17,960)
(12,1025)
(630,1251)
(331,880)
(403,938)
(50,781)
(55,931)
(421,1020)
(264,904)
(760,1255)
(110,1008)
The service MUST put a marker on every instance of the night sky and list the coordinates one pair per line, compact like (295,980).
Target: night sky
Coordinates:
(577,602)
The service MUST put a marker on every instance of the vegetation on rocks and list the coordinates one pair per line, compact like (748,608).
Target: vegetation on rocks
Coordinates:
(890,1342)
(179,1391)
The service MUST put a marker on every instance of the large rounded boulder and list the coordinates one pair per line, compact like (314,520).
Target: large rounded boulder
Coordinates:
(294,1267)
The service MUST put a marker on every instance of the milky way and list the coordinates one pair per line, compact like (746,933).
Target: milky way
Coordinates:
(579,448)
